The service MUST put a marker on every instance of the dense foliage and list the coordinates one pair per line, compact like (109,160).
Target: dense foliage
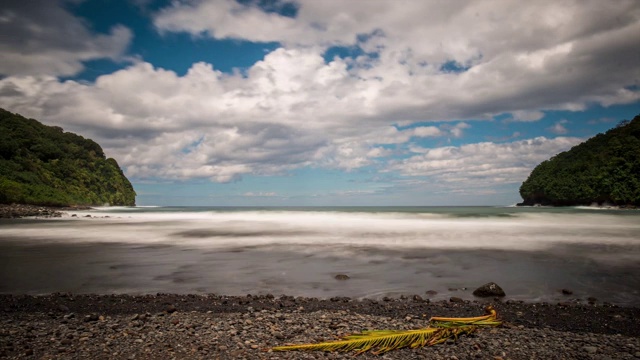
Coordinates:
(43,165)
(603,169)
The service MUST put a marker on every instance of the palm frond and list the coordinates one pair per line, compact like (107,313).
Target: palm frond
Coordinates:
(440,329)
(385,340)
(490,319)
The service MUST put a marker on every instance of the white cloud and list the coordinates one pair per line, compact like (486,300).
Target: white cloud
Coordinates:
(41,38)
(526,116)
(260,194)
(558,128)
(481,164)
(292,109)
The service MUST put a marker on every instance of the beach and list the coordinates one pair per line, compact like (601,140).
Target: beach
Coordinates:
(226,327)
(231,283)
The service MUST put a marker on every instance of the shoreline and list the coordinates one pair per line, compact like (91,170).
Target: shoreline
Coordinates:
(231,327)
(17,211)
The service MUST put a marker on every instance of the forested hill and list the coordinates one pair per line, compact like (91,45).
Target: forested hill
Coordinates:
(603,169)
(43,165)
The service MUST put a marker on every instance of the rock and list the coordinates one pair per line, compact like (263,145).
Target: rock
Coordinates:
(342,277)
(455,299)
(170,309)
(431,292)
(590,349)
(91,318)
(489,290)
(417,298)
(567,292)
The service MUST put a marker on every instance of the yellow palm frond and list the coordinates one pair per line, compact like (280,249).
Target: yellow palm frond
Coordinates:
(490,319)
(385,340)
(380,341)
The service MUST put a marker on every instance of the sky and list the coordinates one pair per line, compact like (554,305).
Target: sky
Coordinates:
(324,103)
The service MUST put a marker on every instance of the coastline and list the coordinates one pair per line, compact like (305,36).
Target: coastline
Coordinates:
(17,211)
(234,327)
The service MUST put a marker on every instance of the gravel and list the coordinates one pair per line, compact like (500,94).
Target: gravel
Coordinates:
(224,327)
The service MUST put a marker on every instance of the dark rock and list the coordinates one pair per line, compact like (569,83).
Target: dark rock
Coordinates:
(417,298)
(170,309)
(431,292)
(91,318)
(342,277)
(489,290)
(567,292)
(455,299)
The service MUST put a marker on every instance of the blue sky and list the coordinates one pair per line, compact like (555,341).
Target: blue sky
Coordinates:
(307,102)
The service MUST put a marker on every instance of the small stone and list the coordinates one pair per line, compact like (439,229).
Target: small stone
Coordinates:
(223,347)
(342,277)
(63,308)
(91,317)
(567,292)
(417,298)
(489,290)
(28,352)
(170,309)
(590,349)
(455,299)
(431,292)
(254,346)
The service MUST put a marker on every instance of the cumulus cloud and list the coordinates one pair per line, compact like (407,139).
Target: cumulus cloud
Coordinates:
(293,109)
(521,58)
(558,128)
(41,38)
(481,164)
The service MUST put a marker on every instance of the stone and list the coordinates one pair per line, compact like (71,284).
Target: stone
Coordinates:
(91,318)
(431,292)
(590,349)
(455,299)
(567,292)
(489,290)
(342,277)
(170,309)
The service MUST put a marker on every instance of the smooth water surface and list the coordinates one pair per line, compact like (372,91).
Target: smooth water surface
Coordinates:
(532,253)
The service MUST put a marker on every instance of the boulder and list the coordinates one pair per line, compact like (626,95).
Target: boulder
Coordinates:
(489,290)
(342,277)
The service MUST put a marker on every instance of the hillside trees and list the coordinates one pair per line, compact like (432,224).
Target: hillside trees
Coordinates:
(43,165)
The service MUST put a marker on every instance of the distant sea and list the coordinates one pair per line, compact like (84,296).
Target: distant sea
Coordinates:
(532,253)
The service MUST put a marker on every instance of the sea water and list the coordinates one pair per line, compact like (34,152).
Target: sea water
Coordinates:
(532,253)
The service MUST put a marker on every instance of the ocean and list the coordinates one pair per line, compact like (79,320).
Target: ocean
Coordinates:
(532,253)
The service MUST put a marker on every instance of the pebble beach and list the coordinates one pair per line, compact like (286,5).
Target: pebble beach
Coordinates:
(165,326)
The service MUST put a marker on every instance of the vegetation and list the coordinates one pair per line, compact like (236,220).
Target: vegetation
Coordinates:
(439,331)
(603,169)
(43,165)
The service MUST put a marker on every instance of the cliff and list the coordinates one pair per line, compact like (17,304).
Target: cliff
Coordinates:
(603,169)
(43,165)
